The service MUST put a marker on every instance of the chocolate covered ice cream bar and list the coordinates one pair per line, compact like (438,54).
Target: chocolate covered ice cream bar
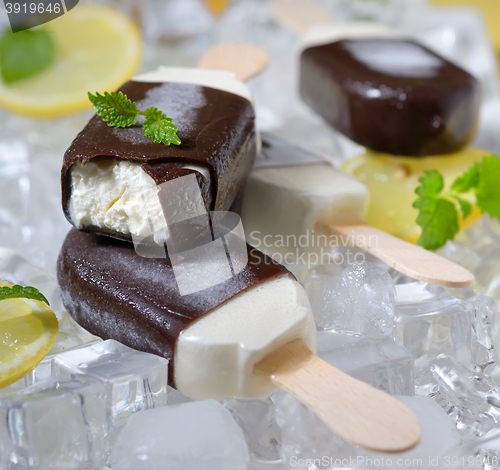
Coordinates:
(107,172)
(213,337)
(239,338)
(388,93)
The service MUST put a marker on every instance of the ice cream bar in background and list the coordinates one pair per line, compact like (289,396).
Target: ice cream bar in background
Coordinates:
(107,171)
(384,90)
(239,338)
(310,196)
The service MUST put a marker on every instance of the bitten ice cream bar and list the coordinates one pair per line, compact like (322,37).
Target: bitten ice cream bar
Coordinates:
(107,171)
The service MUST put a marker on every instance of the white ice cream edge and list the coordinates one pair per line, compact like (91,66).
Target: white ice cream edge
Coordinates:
(215,356)
(216,79)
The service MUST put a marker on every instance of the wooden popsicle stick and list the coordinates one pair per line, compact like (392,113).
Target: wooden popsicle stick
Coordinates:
(244,59)
(299,15)
(357,412)
(409,259)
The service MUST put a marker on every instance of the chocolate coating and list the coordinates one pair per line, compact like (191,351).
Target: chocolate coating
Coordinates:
(216,128)
(390,95)
(114,293)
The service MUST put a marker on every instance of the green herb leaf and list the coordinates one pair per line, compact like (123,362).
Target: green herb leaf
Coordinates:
(431,184)
(438,217)
(159,127)
(118,111)
(469,180)
(25,54)
(466,207)
(20,292)
(115,108)
(439,221)
(488,187)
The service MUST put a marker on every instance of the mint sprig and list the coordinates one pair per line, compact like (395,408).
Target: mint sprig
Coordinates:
(25,54)
(437,216)
(159,128)
(118,111)
(115,109)
(439,211)
(20,292)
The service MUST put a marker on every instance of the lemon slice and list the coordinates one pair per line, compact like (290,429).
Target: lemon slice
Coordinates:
(28,329)
(392,181)
(98,49)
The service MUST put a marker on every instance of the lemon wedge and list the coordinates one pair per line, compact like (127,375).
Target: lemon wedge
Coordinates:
(98,49)
(28,329)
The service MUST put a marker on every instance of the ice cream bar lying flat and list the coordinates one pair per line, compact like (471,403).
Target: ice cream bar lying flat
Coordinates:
(388,93)
(213,338)
(308,194)
(107,171)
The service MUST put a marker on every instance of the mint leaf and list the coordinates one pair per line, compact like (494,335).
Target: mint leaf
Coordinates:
(159,127)
(118,111)
(25,54)
(488,187)
(439,221)
(431,184)
(438,217)
(20,292)
(467,181)
(115,108)
(466,207)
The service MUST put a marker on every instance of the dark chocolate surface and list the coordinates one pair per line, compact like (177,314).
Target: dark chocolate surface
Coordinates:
(391,95)
(216,129)
(114,293)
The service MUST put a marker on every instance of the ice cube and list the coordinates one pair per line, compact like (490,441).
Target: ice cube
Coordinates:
(189,436)
(14,187)
(380,362)
(71,336)
(55,425)
(340,257)
(360,301)
(174,397)
(134,380)
(470,398)
(440,441)
(477,250)
(307,443)
(304,437)
(256,419)
(16,269)
(429,321)
(486,328)
(483,459)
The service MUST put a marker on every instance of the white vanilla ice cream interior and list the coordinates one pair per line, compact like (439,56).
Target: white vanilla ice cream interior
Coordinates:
(302,196)
(215,356)
(112,194)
